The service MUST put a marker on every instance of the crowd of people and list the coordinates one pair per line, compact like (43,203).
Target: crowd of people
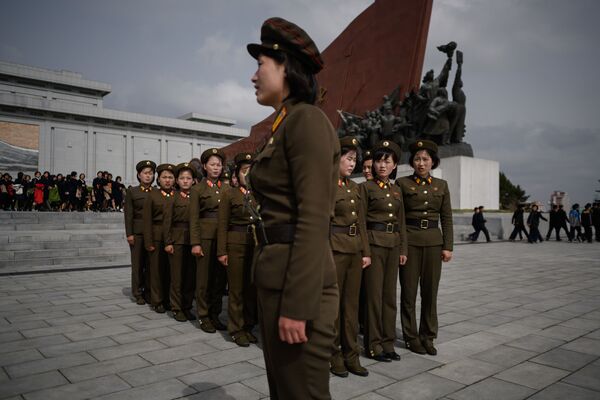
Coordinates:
(47,192)
(579,226)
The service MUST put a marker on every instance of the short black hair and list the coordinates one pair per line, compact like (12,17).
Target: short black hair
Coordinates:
(434,157)
(381,154)
(303,84)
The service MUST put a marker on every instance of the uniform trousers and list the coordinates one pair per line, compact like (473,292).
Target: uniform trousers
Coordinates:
(380,279)
(140,277)
(517,230)
(349,274)
(242,308)
(211,280)
(298,371)
(159,275)
(423,270)
(182,270)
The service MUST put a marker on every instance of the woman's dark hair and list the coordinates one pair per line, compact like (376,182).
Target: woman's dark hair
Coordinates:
(382,154)
(303,85)
(434,157)
(575,206)
(347,149)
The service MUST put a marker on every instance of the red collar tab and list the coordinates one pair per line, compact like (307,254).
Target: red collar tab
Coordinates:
(185,195)
(381,183)
(166,194)
(244,190)
(418,180)
(145,189)
(211,184)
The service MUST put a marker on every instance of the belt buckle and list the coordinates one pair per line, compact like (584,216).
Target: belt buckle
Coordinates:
(389,228)
(352,230)
(424,223)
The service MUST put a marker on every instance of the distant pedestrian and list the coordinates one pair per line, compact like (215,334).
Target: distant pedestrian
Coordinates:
(596,219)
(562,220)
(586,222)
(553,222)
(575,222)
(533,221)
(474,224)
(519,222)
(479,222)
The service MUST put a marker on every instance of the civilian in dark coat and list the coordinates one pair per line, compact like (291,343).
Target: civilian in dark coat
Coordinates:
(533,221)
(519,223)
(479,225)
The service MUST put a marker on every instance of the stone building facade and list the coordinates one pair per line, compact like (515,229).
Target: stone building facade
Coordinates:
(55,121)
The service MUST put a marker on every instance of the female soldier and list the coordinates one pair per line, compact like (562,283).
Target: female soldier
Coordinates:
(294,179)
(210,277)
(155,203)
(134,229)
(351,254)
(235,248)
(426,200)
(176,231)
(384,211)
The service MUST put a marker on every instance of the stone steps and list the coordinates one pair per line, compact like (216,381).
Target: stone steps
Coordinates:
(34,241)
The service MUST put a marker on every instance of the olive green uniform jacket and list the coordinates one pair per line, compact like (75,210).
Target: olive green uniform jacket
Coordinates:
(348,212)
(153,214)
(431,202)
(204,198)
(134,206)
(234,211)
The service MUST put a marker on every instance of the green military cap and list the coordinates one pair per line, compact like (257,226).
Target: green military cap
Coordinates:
(145,164)
(423,145)
(165,167)
(349,141)
(185,167)
(212,152)
(277,34)
(225,174)
(243,158)
(367,155)
(388,145)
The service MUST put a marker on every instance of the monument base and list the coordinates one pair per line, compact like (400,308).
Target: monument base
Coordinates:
(472,181)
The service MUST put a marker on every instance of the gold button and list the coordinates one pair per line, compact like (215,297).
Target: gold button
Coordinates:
(352,201)
(353,212)
(348,190)
(251,217)
(391,215)
(425,191)
(385,186)
(219,200)
(423,183)
(217,192)
(387,195)
(424,212)
(390,204)
(426,202)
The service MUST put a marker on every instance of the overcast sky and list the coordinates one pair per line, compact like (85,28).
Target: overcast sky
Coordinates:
(530,72)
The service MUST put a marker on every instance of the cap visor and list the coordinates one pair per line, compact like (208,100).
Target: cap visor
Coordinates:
(254,49)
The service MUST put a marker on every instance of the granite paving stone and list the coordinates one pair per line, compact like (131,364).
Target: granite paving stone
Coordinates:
(492,389)
(535,376)
(102,368)
(163,390)
(48,364)
(260,384)
(126,349)
(467,371)
(352,386)
(155,373)
(421,387)
(31,383)
(587,377)
(168,354)
(584,345)
(81,390)
(74,347)
(235,391)
(562,332)
(536,343)
(564,359)
(222,376)
(563,391)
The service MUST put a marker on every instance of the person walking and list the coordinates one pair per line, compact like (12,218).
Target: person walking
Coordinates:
(474,224)
(575,222)
(480,222)
(518,221)
(596,219)
(235,250)
(352,255)
(427,207)
(383,208)
(135,199)
(294,181)
(562,221)
(533,222)
(586,222)
(553,224)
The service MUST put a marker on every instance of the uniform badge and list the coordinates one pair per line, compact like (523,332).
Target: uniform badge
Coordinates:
(214,151)
(280,117)
(248,156)
(435,189)
(271,141)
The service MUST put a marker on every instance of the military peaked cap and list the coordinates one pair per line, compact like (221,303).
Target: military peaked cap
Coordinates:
(165,167)
(367,155)
(242,158)
(277,34)
(423,145)
(145,164)
(185,167)
(349,141)
(388,145)
(212,152)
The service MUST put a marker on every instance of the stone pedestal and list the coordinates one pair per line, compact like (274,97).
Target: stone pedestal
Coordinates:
(472,181)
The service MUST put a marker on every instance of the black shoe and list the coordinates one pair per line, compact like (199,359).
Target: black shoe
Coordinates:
(415,346)
(339,370)
(392,355)
(206,325)
(180,316)
(355,368)
(251,337)
(432,351)
(218,324)
(140,301)
(381,357)
(160,309)
(240,339)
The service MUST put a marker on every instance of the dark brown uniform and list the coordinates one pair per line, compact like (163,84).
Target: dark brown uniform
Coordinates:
(349,244)
(176,230)
(234,239)
(210,275)
(154,205)
(425,203)
(384,210)
(294,180)
(134,225)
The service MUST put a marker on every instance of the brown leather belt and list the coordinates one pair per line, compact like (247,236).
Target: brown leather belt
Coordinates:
(275,234)
(241,228)
(184,225)
(422,223)
(350,230)
(390,227)
(209,214)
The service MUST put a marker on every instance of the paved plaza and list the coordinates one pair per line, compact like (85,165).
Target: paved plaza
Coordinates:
(516,321)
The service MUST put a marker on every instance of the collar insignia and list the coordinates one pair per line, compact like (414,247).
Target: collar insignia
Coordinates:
(280,117)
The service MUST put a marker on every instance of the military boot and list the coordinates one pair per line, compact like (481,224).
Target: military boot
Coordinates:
(337,366)
(206,325)
(354,367)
